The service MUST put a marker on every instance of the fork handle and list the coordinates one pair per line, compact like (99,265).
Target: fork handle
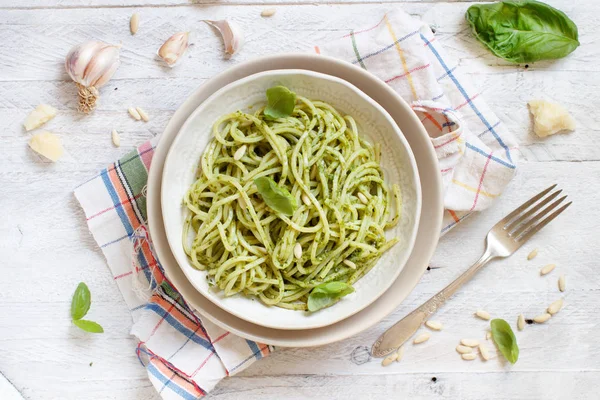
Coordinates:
(402,330)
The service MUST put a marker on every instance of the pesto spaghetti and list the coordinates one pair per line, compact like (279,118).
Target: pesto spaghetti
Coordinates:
(287,204)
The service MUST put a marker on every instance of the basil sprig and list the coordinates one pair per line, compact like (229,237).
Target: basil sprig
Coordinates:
(80,305)
(280,102)
(523,31)
(505,339)
(327,294)
(276,197)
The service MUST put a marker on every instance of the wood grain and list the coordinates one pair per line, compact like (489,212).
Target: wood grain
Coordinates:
(46,248)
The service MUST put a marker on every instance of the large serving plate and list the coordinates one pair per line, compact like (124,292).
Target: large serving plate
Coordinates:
(429,224)
(374,124)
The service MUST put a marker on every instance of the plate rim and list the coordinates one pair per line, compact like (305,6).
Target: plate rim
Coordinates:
(310,337)
(174,240)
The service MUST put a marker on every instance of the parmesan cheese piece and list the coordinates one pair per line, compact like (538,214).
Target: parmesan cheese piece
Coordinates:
(47,144)
(550,118)
(38,117)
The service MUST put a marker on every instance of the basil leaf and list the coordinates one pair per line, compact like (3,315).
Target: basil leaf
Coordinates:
(88,326)
(80,304)
(523,31)
(505,339)
(327,294)
(280,102)
(276,197)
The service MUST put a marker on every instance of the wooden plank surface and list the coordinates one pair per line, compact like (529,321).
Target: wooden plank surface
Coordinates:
(46,248)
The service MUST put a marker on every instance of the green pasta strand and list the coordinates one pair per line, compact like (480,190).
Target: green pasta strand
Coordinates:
(343,205)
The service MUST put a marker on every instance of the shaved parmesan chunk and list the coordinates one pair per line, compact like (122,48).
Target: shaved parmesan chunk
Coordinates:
(550,118)
(38,117)
(47,144)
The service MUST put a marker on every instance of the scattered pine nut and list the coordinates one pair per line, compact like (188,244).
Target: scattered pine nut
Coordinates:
(400,353)
(483,315)
(143,114)
(116,139)
(350,264)
(540,319)
(239,153)
(520,322)
(435,325)
(305,199)
(463,349)
(485,354)
(423,337)
(262,249)
(469,356)
(134,114)
(389,359)
(488,335)
(532,255)
(469,342)
(547,269)
(268,12)
(313,171)
(298,251)
(134,23)
(555,307)
(363,199)
(562,284)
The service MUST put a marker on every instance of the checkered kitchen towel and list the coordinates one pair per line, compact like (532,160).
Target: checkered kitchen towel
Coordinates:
(186,356)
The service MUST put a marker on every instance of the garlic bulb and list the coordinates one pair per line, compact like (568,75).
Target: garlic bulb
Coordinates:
(91,65)
(175,47)
(233,38)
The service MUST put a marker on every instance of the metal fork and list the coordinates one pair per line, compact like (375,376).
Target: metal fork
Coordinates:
(506,237)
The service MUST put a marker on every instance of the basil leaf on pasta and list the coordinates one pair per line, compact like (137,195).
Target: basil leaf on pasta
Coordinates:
(280,102)
(327,294)
(276,197)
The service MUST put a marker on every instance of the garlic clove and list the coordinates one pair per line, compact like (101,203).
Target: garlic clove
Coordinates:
(92,63)
(38,117)
(233,38)
(175,47)
(47,144)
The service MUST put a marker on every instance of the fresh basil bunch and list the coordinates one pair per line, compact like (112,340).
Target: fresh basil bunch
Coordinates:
(523,31)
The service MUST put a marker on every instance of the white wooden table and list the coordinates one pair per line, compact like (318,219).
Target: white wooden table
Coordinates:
(46,249)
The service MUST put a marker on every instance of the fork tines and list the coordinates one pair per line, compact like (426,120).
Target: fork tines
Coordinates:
(526,220)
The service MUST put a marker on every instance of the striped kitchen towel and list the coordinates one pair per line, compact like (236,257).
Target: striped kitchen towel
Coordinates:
(185,355)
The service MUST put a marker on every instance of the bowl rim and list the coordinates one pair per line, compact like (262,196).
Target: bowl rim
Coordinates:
(409,243)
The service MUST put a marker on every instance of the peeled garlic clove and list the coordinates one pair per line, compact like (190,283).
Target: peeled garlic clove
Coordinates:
(91,65)
(38,117)
(233,38)
(47,144)
(172,50)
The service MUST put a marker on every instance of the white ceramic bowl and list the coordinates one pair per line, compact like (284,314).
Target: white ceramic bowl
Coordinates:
(374,123)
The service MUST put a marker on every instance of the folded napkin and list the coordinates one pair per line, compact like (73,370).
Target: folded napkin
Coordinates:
(186,355)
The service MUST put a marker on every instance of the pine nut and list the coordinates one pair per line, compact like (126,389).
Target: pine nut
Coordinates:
(562,284)
(350,264)
(400,353)
(134,114)
(547,269)
(116,139)
(261,249)
(363,199)
(305,199)
(239,153)
(540,319)
(469,342)
(469,356)
(435,325)
(134,23)
(483,315)
(485,354)
(488,335)
(555,307)
(463,349)
(269,12)
(423,337)
(242,202)
(143,114)
(520,322)
(532,255)
(298,251)
(389,359)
